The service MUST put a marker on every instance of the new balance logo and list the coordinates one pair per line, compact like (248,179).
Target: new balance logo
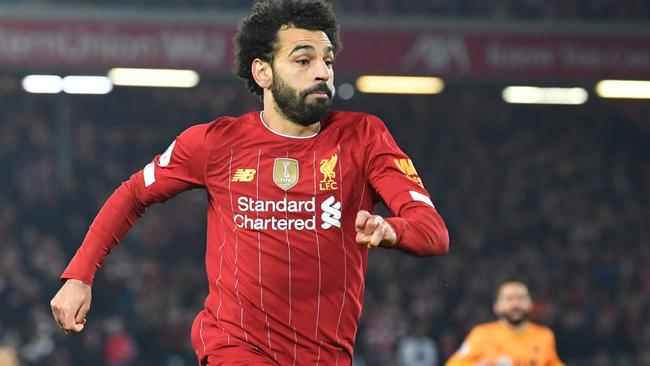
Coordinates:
(331,215)
(244,175)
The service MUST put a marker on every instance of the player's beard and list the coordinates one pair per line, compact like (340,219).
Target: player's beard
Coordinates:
(294,105)
(515,318)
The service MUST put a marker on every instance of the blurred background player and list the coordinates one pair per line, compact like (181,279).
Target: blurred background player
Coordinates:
(511,340)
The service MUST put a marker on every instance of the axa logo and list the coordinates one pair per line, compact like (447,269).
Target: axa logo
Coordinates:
(244,175)
(438,52)
(327,166)
(331,215)
(408,169)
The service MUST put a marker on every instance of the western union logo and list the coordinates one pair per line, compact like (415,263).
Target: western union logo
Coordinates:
(327,167)
(406,166)
(285,172)
(244,175)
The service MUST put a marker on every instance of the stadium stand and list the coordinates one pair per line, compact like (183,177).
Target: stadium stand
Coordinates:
(555,195)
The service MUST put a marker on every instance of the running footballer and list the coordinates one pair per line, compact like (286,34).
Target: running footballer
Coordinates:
(291,191)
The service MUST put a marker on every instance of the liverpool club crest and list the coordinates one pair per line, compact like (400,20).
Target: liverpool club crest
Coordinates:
(327,166)
(285,172)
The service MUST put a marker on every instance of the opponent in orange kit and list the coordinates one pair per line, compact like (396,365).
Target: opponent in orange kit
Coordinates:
(512,340)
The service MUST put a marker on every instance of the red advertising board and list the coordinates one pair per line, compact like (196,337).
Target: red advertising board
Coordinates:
(69,44)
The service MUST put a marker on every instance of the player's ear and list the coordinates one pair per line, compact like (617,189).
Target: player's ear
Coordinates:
(262,73)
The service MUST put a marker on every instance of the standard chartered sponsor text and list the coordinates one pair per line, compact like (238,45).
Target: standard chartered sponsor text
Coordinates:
(247,204)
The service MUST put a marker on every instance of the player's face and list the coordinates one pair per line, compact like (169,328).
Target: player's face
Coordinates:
(513,303)
(303,75)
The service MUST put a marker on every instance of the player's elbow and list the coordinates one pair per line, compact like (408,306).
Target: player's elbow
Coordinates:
(441,242)
(426,234)
(438,236)
(435,244)
(438,242)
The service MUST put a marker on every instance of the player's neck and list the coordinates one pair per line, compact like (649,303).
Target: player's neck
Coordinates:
(278,123)
(517,328)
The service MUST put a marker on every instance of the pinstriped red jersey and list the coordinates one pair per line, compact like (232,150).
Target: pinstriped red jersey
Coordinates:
(285,273)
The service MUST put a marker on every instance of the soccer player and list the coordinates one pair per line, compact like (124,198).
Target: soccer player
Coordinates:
(513,340)
(291,191)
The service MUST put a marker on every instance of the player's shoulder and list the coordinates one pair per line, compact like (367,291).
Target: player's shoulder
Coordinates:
(540,330)
(217,127)
(354,119)
(486,328)
(483,331)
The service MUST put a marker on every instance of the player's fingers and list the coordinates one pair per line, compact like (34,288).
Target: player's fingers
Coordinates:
(80,318)
(82,311)
(57,319)
(68,318)
(377,235)
(362,217)
(56,312)
(372,232)
(362,238)
(372,223)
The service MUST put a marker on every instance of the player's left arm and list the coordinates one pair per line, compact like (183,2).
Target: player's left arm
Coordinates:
(417,228)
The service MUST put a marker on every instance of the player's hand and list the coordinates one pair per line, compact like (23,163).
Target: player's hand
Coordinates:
(71,304)
(374,231)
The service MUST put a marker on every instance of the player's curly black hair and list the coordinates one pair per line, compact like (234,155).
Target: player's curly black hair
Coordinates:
(257,33)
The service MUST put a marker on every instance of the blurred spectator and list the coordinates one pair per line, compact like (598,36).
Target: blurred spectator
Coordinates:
(119,348)
(417,349)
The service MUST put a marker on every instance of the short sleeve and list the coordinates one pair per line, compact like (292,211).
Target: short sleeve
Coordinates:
(391,172)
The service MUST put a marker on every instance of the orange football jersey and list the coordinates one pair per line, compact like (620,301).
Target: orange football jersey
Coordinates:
(496,344)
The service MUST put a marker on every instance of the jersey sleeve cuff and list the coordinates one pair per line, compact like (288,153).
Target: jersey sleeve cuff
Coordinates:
(77,276)
(81,270)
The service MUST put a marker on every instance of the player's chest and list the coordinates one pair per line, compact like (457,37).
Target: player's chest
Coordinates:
(519,352)
(286,172)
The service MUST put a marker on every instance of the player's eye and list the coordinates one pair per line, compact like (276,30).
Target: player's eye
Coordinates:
(303,62)
(329,63)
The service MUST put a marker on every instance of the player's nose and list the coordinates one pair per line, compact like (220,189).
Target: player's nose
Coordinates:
(323,71)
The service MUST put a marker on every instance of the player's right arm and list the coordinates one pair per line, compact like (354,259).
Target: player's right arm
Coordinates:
(470,352)
(179,168)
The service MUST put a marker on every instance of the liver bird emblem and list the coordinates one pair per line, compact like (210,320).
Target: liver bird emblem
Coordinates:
(327,168)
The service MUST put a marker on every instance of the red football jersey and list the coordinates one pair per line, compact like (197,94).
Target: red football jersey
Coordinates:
(286,276)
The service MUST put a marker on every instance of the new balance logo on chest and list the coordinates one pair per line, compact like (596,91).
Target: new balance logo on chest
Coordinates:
(244,175)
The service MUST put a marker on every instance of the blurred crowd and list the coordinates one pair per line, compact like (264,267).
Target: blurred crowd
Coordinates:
(594,10)
(555,196)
